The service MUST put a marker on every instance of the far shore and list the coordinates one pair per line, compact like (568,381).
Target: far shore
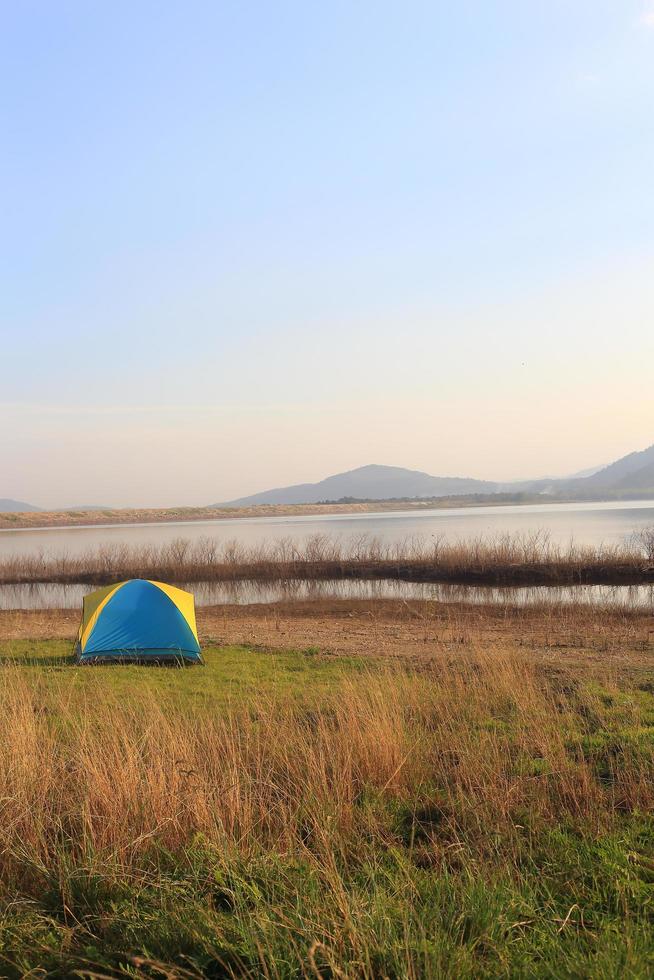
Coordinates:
(42,520)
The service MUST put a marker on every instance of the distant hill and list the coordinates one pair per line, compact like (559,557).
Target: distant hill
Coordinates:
(369,482)
(635,470)
(15,506)
(641,479)
(19,506)
(591,471)
(629,476)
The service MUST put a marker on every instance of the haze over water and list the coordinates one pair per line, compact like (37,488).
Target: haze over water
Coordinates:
(584,523)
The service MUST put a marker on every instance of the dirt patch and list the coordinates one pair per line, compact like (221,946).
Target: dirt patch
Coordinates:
(611,640)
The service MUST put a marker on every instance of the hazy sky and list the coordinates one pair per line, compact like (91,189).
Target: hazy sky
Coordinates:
(246,244)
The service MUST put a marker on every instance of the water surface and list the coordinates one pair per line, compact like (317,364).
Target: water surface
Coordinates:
(584,523)
(52,596)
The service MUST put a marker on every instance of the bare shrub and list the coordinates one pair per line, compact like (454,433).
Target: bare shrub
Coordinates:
(646,542)
(523,559)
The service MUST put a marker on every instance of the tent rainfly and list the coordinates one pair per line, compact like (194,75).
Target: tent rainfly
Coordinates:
(138,620)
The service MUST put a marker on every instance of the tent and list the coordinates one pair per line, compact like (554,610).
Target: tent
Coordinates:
(138,620)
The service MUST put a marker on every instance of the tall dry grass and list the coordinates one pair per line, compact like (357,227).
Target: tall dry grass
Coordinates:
(476,746)
(528,559)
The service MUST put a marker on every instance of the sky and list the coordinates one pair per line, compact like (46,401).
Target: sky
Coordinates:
(248,244)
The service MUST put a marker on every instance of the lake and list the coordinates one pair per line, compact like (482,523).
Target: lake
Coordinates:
(585,523)
(54,596)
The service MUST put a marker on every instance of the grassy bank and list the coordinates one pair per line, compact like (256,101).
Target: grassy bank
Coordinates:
(348,505)
(166,515)
(505,560)
(17,520)
(292,814)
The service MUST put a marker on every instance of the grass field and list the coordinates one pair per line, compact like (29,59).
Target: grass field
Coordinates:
(486,811)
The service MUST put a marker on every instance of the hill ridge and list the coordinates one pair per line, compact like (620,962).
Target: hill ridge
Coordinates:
(377,481)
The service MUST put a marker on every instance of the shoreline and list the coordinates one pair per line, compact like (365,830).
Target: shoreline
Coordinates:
(61,519)
(509,576)
(418,633)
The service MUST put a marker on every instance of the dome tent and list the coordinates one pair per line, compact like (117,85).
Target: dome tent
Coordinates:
(138,620)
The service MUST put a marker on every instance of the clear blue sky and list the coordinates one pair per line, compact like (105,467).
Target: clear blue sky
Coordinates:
(247,244)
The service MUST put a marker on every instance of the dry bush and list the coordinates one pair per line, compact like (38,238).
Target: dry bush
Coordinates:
(504,560)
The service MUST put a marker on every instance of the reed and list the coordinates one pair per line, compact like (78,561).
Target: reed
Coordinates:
(531,559)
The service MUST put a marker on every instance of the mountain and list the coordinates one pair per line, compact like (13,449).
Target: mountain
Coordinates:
(628,476)
(15,506)
(369,483)
(591,471)
(18,506)
(631,475)
(627,472)
(641,479)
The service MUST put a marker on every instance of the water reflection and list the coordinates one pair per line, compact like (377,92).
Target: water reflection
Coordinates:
(52,596)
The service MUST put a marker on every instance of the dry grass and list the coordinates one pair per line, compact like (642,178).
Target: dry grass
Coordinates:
(433,778)
(108,775)
(152,515)
(299,815)
(600,641)
(505,560)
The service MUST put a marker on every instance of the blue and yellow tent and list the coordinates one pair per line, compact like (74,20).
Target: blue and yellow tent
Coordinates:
(138,620)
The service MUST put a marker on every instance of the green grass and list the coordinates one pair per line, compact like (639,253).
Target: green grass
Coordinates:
(414,888)
(574,907)
(229,674)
